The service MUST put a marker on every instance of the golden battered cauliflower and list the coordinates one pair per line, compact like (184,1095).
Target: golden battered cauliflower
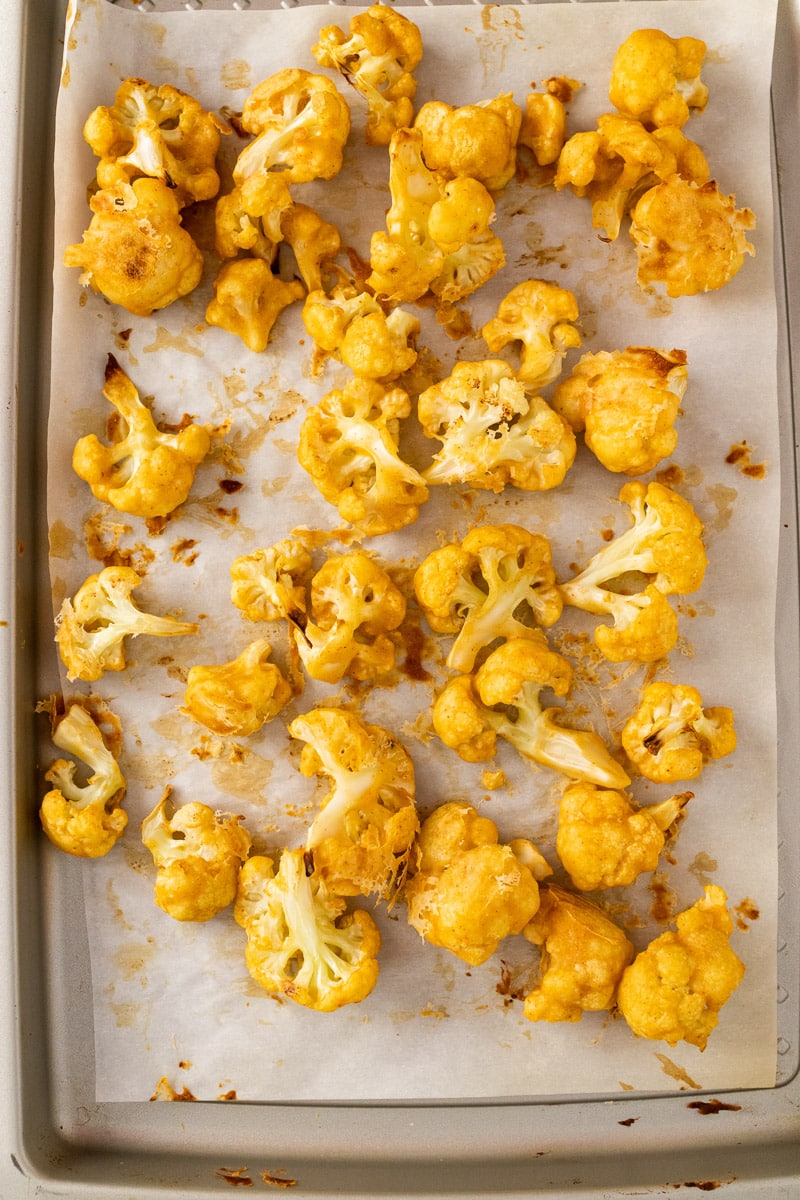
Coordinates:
(543,129)
(248,299)
(656,78)
(237,698)
(671,736)
(541,316)
(315,242)
(674,990)
(475,140)
(352,327)
(248,218)
(272,583)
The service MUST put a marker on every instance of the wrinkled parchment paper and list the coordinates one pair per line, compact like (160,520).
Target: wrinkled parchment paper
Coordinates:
(174,1001)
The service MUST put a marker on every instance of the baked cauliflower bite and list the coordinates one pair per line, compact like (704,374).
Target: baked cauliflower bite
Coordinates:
(198,854)
(352,327)
(670,736)
(237,698)
(314,242)
(348,443)
(302,944)
(249,298)
(492,432)
(476,140)
(673,991)
(84,819)
(494,584)
(604,841)
(656,78)
(377,59)
(540,316)
(272,583)
(502,699)
(626,403)
(662,547)
(543,129)
(135,251)
(144,471)
(362,837)
(470,891)
(247,219)
(91,627)
(583,956)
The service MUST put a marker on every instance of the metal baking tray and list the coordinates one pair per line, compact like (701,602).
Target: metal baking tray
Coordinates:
(55,1140)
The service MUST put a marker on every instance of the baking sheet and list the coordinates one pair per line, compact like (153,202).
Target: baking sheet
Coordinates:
(144,967)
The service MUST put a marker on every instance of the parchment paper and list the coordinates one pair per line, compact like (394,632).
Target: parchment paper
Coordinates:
(174,1001)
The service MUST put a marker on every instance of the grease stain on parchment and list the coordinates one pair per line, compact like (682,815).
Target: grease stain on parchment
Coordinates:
(236,74)
(501,29)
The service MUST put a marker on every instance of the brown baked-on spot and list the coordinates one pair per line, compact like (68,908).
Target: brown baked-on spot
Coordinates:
(231,486)
(709,1108)
(740,455)
(561,87)
(235,1176)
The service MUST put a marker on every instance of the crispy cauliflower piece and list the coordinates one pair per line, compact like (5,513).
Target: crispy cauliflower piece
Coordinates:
(674,990)
(198,855)
(475,140)
(248,218)
(470,891)
(135,251)
(543,129)
(603,841)
(301,942)
(377,59)
(315,242)
(656,78)
(237,698)
(493,584)
(143,471)
(158,132)
(248,299)
(626,403)
(541,316)
(353,328)
(664,547)
(689,237)
(503,698)
(492,432)
(92,626)
(272,583)
(583,956)
(670,736)
(363,835)
(349,446)
(83,819)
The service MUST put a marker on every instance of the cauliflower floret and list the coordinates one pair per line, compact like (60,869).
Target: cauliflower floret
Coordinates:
(656,78)
(315,242)
(83,819)
(475,140)
(663,546)
(92,626)
(544,123)
(377,59)
(674,990)
(135,251)
(301,942)
(271,583)
(603,841)
(626,403)
(143,471)
(349,446)
(691,238)
(468,268)
(502,699)
(237,698)
(158,132)
(248,218)
(541,316)
(492,432)
(671,736)
(248,299)
(353,328)
(583,955)
(470,891)
(198,855)
(492,585)
(363,836)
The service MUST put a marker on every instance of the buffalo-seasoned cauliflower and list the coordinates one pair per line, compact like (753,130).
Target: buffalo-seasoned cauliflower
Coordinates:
(92,626)
(583,955)
(476,140)
(664,548)
(315,242)
(689,237)
(301,942)
(143,471)
(352,327)
(362,837)
(272,583)
(159,132)
(494,584)
(249,298)
(603,841)
(237,698)
(492,432)
(349,446)
(625,402)
(541,316)
(656,78)
(198,854)
(136,252)
(502,699)
(377,59)
(84,819)
(470,891)
(671,736)
(673,991)
(543,129)
(248,218)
